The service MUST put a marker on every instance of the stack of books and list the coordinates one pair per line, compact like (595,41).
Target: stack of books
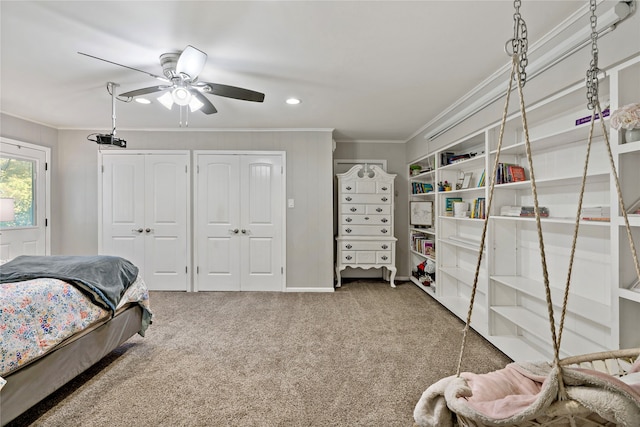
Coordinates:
(478,208)
(423,244)
(596,213)
(507,173)
(421,188)
(525,211)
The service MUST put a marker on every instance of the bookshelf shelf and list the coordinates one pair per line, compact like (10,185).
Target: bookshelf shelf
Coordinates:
(510,309)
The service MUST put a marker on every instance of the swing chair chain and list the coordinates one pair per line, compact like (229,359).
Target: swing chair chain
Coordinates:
(519,43)
(593,71)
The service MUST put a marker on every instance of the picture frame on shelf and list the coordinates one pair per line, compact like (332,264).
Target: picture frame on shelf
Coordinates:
(466,180)
(449,201)
(422,213)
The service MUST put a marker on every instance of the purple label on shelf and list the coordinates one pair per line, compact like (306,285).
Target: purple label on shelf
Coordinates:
(587,119)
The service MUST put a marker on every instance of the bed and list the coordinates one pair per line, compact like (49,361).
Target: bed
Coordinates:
(60,315)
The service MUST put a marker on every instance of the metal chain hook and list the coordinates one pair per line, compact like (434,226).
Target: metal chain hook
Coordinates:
(593,71)
(519,43)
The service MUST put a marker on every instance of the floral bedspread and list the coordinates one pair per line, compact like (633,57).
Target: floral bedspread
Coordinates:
(35,315)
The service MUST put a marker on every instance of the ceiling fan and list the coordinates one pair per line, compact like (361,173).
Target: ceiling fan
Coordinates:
(181,71)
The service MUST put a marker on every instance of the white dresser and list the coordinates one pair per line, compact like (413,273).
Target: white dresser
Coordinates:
(365,217)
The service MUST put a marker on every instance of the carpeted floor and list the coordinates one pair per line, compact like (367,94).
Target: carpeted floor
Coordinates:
(361,356)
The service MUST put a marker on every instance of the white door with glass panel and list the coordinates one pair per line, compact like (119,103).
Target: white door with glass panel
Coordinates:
(23,199)
(145,205)
(239,222)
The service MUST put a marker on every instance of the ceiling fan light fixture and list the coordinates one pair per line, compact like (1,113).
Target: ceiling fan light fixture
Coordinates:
(143,101)
(166,100)
(293,101)
(181,96)
(195,104)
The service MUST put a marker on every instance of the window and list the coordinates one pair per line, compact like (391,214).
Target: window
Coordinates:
(17,192)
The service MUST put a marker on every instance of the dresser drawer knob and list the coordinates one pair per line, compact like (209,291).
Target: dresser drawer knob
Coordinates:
(385,246)
(348,188)
(349,246)
(349,257)
(384,257)
(384,220)
(366,218)
(353,209)
(348,219)
(384,199)
(385,188)
(348,199)
(384,231)
(379,210)
(348,230)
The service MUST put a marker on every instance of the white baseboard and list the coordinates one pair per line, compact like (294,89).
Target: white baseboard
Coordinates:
(309,290)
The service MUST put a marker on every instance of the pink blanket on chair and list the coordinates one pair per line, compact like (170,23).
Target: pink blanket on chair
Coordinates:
(524,391)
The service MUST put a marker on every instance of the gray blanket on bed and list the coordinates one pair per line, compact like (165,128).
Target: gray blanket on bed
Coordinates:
(102,278)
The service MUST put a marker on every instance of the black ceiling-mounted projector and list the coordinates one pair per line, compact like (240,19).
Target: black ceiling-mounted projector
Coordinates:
(110,139)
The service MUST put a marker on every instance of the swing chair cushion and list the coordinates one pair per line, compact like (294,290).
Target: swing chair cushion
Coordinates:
(526,391)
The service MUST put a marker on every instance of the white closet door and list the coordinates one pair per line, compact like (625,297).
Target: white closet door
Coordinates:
(261,219)
(123,208)
(238,230)
(166,190)
(218,222)
(145,200)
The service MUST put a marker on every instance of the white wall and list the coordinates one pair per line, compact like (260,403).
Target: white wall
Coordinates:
(74,186)
(309,182)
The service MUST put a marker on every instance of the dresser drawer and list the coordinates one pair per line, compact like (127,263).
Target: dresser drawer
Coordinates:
(375,209)
(366,198)
(348,219)
(383,257)
(366,230)
(383,188)
(352,245)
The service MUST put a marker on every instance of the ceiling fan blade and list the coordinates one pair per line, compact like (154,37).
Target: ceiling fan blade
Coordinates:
(207,106)
(126,66)
(191,62)
(232,92)
(144,91)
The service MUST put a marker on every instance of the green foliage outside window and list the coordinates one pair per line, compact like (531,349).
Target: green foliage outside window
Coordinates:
(17,182)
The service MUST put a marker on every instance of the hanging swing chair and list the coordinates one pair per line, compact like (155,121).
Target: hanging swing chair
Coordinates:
(598,389)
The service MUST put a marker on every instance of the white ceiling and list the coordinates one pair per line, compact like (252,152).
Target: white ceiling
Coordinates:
(371,70)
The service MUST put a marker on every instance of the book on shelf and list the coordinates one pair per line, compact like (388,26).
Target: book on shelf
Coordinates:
(506,173)
(421,188)
(596,213)
(423,244)
(448,206)
(523,211)
(481,180)
(478,208)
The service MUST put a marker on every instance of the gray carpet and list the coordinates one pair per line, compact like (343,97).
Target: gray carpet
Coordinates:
(361,356)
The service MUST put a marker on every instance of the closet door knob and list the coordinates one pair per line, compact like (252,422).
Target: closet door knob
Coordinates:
(148,230)
(234,231)
(139,230)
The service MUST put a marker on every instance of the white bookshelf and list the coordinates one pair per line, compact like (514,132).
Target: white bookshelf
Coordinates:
(510,307)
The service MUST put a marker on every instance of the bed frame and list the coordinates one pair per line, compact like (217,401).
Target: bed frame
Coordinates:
(37,380)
